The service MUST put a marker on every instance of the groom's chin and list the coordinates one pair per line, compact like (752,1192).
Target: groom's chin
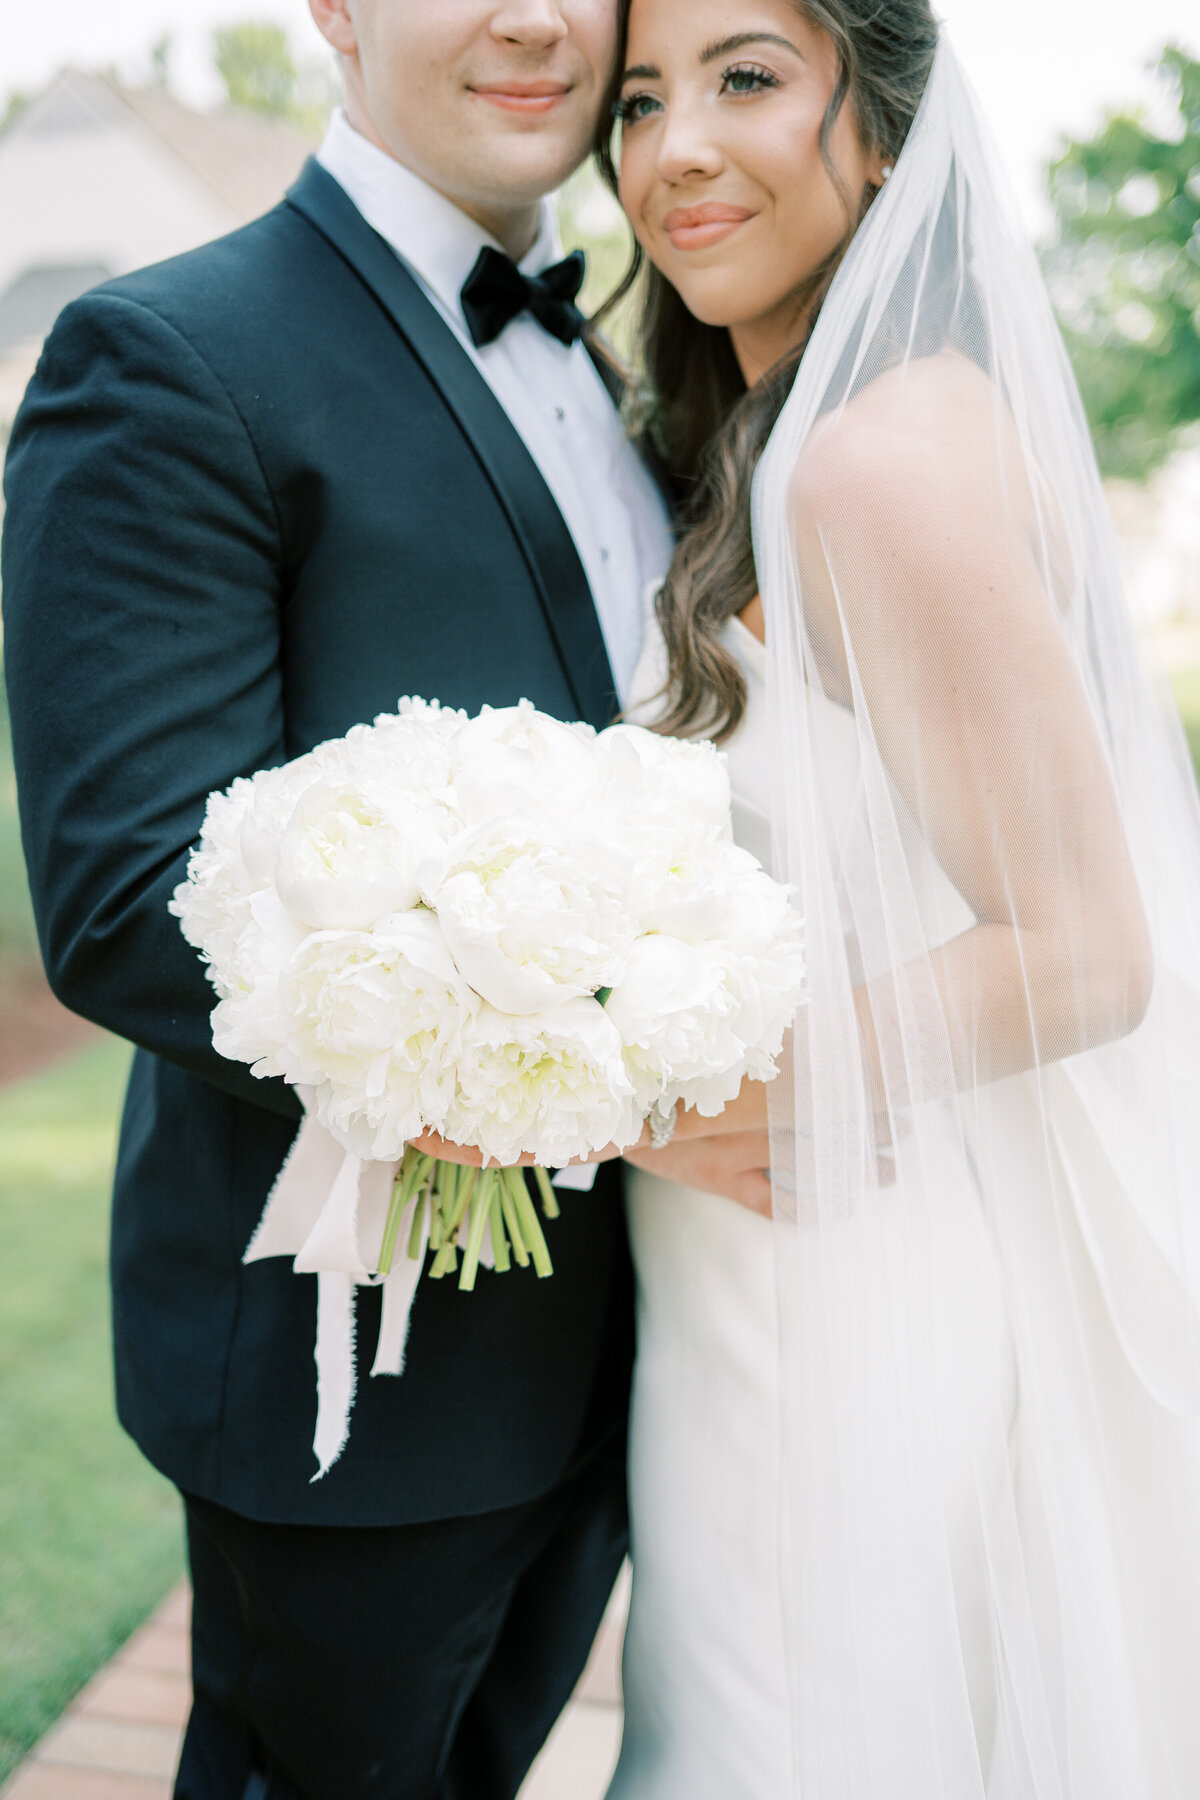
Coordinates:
(524,154)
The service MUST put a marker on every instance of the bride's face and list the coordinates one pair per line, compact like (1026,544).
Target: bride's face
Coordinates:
(722,171)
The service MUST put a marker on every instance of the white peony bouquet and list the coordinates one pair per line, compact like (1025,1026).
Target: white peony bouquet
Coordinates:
(524,935)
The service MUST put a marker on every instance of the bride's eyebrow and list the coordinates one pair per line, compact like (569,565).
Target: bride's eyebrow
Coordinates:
(722,47)
(739,41)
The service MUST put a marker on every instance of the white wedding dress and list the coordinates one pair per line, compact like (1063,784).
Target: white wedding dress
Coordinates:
(708,1709)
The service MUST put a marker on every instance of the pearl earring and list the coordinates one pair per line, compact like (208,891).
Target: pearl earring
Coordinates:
(886,170)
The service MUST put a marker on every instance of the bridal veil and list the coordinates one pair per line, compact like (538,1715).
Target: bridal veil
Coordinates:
(986,1144)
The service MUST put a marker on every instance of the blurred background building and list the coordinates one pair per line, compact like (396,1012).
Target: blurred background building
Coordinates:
(97,178)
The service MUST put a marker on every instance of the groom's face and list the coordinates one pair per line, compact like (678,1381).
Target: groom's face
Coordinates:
(492,101)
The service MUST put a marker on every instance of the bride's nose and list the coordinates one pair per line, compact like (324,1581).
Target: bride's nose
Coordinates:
(686,149)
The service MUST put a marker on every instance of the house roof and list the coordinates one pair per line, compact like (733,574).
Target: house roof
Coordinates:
(247,160)
(30,306)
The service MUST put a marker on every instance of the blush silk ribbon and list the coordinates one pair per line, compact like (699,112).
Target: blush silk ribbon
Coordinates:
(327,1211)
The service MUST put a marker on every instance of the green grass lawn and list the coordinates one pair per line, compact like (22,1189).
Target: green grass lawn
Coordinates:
(90,1536)
(17,936)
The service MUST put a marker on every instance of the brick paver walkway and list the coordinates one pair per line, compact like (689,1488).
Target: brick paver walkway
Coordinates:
(120,1738)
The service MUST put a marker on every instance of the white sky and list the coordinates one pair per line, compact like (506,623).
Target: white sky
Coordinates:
(1041,66)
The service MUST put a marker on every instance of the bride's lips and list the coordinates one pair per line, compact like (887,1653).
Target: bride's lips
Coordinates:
(524,96)
(698,227)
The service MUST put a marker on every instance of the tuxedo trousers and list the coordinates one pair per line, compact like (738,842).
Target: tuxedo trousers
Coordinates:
(410,1662)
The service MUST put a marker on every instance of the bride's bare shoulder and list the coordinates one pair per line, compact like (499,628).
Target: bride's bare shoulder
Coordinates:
(918,439)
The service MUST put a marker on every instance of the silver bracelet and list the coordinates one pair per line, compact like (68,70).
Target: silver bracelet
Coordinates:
(662,1120)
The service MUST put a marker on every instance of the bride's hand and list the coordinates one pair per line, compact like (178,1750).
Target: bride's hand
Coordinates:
(748,1112)
(722,1161)
(443,1150)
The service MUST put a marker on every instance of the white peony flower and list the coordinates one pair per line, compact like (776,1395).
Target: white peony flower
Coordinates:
(765,965)
(351,852)
(699,1011)
(213,903)
(650,778)
(374,1023)
(533,917)
(272,797)
(515,761)
(408,749)
(234,861)
(550,1085)
(669,802)
(248,1024)
(676,1020)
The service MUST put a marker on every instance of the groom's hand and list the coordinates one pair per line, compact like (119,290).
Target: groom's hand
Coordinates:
(734,1164)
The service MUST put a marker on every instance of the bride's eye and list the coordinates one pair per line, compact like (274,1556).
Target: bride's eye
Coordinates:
(747,78)
(636,106)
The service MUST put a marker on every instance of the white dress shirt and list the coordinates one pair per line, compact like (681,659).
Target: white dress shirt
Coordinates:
(550,391)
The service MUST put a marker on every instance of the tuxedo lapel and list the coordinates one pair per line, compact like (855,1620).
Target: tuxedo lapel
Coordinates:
(548,548)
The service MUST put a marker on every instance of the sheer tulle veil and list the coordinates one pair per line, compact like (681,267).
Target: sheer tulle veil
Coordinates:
(986,1144)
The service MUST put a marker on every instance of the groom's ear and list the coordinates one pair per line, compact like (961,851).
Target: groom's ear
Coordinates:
(333,21)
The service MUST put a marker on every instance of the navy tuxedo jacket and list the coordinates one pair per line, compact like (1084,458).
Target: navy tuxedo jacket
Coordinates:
(256,494)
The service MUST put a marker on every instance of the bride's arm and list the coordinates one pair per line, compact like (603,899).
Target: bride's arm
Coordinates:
(923,593)
(926,609)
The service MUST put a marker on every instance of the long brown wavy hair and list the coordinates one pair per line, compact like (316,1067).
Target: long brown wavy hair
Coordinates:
(709,428)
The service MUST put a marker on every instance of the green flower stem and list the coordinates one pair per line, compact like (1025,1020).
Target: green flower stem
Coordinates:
(464,1186)
(409,1177)
(445,1262)
(514,1226)
(455,1186)
(441,1175)
(531,1230)
(446,1189)
(454,1193)
(550,1204)
(418,1220)
(499,1240)
(481,1206)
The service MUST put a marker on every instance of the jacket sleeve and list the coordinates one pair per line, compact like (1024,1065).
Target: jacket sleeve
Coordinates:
(143,592)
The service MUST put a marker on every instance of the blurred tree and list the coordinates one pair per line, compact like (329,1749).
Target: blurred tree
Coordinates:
(160,65)
(12,108)
(1124,272)
(255,62)
(257,66)
(589,219)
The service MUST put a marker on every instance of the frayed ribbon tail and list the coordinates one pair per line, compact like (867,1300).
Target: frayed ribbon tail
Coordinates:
(335,1367)
(399,1291)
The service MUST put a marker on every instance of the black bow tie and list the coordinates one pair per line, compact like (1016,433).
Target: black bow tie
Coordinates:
(496,291)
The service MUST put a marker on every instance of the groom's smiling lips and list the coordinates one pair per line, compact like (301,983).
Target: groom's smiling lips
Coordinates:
(698,227)
(524,96)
